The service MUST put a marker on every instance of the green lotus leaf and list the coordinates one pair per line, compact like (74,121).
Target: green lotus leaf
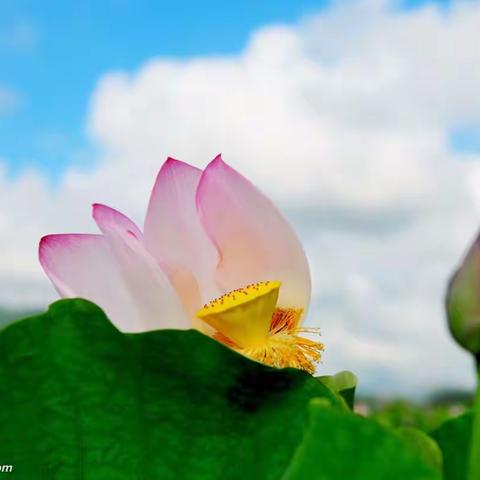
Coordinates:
(424,445)
(341,445)
(453,437)
(79,399)
(344,383)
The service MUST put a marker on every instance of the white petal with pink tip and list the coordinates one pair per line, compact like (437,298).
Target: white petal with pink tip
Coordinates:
(174,234)
(254,241)
(107,217)
(115,274)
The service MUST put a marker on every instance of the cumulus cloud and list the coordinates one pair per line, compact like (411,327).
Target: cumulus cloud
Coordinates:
(344,119)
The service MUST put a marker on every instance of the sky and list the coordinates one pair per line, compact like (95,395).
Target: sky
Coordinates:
(360,118)
(74,42)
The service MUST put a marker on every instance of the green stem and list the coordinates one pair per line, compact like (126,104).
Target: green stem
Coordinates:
(474,462)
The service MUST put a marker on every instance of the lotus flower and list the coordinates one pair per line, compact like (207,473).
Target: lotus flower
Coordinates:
(214,254)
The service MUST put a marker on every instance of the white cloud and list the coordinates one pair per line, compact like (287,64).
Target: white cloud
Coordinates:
(343,119)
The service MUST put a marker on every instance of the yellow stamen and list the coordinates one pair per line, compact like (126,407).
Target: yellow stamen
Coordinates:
(248,321)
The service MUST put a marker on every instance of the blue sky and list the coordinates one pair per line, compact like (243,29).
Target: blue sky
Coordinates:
(52,54)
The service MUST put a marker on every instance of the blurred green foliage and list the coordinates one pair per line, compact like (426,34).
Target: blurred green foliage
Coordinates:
(427,415)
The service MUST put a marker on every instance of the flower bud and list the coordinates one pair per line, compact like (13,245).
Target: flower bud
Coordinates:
(463,301)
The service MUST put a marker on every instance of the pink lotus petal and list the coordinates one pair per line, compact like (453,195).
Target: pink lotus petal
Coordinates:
(174,234)
(126,241)
(254,240)
(128,285)
(106,216)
